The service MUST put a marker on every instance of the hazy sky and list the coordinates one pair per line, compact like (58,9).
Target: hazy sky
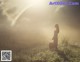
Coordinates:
(70,13)
(40,18)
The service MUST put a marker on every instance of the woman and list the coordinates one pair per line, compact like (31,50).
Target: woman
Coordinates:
(54,45)
(55,37)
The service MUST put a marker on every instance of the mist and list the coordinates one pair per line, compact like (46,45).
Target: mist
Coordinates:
(36,26)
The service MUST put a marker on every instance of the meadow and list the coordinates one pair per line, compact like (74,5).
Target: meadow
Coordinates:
(66,53)
(39,52)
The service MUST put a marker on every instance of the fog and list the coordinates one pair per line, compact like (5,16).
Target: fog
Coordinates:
(36,25)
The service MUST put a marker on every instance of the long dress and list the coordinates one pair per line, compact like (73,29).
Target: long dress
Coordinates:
(54,44)
(55,39)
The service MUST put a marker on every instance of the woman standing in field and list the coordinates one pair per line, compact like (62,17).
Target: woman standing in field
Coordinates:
(54,44)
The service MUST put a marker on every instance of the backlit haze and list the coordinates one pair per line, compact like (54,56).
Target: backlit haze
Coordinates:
(33,21)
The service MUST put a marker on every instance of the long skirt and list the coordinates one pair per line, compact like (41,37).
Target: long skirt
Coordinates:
(53,45)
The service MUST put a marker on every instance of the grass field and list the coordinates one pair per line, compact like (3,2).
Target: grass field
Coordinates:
(66,53)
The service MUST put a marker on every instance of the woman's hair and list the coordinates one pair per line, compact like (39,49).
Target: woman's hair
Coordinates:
(57,28)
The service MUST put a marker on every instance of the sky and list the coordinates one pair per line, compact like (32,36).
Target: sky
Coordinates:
(38,18)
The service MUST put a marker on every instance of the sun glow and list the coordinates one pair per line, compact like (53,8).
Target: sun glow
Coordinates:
(36,2)
(29,4)
(24,5)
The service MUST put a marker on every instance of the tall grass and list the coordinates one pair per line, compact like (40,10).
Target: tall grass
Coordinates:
(66,53)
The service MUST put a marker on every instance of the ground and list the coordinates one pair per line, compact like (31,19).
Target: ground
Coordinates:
(66,53)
